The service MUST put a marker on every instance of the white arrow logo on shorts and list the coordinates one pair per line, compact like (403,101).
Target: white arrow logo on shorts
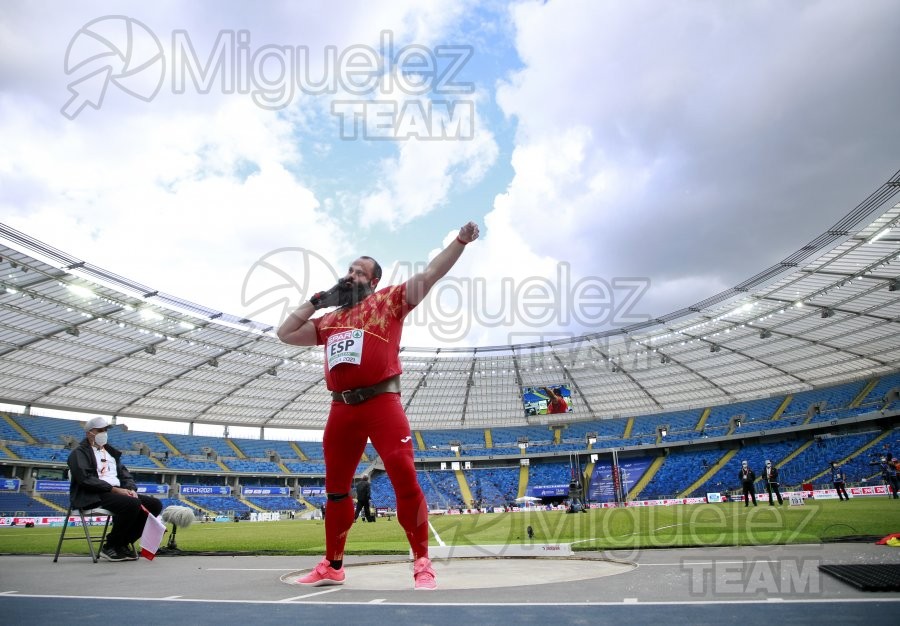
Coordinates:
(405,439)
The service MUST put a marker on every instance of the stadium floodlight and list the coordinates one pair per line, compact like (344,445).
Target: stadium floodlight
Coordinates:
(894,285)
(826,313)
(765,333)
(715,347)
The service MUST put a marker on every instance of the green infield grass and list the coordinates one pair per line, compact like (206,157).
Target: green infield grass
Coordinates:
(699,525)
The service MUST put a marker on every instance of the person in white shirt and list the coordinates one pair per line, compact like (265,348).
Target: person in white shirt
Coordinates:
(98,478)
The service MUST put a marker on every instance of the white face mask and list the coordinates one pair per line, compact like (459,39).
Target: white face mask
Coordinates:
(100,439)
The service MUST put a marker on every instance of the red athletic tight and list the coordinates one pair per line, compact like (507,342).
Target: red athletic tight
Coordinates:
(382,420)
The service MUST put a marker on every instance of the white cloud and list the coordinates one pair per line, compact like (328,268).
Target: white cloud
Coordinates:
(694,143)
(176,203)
(187,192)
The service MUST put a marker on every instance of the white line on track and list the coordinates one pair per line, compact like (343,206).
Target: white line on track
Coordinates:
(250,569)
(436,535)
(310,595)
(814,601)
(716,562)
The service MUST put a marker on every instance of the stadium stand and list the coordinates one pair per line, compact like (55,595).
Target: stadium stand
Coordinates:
(275,503)
(252,467)
(219,504)
(196,445)
(12,504)
(688,451)
(493,487)
(48,430)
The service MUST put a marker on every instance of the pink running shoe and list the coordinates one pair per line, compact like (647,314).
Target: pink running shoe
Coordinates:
(322,576)
(423,575)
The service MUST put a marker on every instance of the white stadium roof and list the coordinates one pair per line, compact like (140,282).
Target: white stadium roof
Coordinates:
(76,337)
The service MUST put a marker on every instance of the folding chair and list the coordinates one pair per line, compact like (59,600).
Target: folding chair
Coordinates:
(83,514)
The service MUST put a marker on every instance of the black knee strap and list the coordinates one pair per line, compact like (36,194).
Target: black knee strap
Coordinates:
(337,497)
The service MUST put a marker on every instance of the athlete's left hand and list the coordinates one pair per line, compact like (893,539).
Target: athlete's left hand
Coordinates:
(469,232)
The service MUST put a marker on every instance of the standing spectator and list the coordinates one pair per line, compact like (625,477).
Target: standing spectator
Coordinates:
(889,475)
(838,479)
(770,476)
(363,494)
(100,479)
(362,372)
(747,476)
(576,496)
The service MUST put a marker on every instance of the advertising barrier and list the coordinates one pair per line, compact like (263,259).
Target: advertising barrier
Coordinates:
(265,491)
(204,490)
(10,484)
(153,489)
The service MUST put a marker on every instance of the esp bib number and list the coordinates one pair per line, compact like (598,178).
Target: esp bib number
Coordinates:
(344,347)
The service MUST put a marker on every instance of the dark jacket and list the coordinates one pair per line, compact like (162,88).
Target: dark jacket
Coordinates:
(85,485)
(773,479)
(362,491)
(749,477)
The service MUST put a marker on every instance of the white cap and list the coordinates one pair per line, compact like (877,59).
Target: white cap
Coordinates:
(98,423)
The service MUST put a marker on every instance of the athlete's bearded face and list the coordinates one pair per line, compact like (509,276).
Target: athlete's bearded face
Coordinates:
(359,282)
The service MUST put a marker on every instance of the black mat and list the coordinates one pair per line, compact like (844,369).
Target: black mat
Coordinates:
(872,577)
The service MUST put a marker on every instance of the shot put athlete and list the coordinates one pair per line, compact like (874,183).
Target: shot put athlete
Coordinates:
(362,371)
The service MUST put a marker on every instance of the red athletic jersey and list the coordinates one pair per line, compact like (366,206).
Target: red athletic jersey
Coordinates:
(362,343)
(560,406)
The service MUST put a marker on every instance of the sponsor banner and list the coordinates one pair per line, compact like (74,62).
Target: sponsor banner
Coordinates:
(153,489)
(713,497)
(548,491)
(51,485)
(667,502)
(10,484)
(825,494)
(205,490)
(604,480)
(312,491)
(874,490)
(51,521)
(265,516)
(265,491)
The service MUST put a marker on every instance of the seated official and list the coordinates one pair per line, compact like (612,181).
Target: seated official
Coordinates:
(100,479)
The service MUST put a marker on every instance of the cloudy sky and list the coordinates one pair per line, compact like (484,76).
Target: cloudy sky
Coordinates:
(239,155)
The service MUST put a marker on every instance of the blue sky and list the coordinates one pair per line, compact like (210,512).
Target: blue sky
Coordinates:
(682,145)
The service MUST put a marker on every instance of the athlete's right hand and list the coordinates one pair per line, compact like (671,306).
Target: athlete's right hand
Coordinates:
(325,299)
